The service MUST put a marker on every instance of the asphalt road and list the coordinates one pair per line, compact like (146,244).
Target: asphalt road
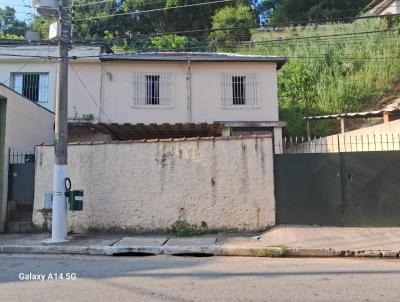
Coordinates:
(182,279)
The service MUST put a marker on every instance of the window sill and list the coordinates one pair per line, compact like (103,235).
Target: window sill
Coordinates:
(240,107)
(152,107)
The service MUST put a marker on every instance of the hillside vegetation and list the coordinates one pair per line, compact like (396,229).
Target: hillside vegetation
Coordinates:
(333,74)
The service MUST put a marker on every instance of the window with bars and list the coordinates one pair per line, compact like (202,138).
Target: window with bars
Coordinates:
(33,86)
(153,90)
(239,90)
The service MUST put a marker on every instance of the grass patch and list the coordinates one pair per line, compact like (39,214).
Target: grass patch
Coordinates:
(182,228)
(279,251)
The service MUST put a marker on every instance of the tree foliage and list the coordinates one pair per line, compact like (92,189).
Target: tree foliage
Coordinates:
(241,18)
(141,21)
(171,42)
(10,26)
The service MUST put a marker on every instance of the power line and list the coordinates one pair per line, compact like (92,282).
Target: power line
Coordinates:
(290,56)
(89,93)
(153,10)
(240,27)
(326,36)
(106,1)
(348,10)
(274,41)
(14,5)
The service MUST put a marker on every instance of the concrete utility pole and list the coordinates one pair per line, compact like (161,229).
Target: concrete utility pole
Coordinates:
(59,215)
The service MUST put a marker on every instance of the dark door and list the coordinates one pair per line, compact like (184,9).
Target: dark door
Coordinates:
(21,183)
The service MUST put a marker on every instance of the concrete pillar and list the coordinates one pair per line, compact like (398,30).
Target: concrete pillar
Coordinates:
(278,140)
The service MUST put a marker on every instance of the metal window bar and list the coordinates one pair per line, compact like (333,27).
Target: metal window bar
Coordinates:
(20,157)
(153,90)
(33,86)
(239,90)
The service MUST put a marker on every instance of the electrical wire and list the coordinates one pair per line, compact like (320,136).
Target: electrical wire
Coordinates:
(153,10)
(89,93)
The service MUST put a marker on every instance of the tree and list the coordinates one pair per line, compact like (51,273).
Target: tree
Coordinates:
(9,24)
(241,17)
(41,24)
(139,21)
(171,42)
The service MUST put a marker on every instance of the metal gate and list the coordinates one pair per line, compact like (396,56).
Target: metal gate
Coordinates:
(21,178)
(339,188)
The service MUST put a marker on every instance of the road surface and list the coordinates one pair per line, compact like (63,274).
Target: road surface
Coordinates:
(181,279)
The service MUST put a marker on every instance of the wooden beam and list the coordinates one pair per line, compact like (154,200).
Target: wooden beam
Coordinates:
(342,126)
(386,117)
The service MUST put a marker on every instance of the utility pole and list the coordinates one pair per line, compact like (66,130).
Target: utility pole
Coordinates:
(59,215)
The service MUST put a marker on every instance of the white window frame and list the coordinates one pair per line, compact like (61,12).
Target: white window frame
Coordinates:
(43,89)
(166,90)
(251,91)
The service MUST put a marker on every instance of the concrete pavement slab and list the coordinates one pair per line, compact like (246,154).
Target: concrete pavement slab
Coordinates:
(74,240)
(192,241)
(141,241)
(337,238)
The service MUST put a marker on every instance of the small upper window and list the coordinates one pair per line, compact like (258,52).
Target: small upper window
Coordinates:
(239,90)
(153,90)
(33,86)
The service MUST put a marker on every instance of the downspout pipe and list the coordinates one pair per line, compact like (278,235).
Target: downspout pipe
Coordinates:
(189,91)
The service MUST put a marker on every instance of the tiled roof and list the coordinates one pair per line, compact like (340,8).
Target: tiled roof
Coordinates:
(367,114)
(183,139)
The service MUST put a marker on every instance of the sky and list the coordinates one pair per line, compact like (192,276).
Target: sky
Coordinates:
(22,11)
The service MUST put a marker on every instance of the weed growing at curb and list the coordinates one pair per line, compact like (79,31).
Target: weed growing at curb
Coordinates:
(182,228)
(279,251)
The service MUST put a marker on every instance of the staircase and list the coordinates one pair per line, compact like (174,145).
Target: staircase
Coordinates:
(20,219)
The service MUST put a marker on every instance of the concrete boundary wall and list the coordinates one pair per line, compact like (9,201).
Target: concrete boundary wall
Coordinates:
(143,187)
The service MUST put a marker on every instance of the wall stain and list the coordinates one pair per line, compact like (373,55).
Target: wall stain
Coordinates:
(244,188)
(214,177)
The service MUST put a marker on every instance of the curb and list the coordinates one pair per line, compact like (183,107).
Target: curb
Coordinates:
(213,250)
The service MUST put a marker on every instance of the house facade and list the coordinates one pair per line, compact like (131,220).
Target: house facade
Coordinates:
(136,96)
(382,7)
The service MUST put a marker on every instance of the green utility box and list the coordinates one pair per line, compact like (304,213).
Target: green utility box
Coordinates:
(75,199)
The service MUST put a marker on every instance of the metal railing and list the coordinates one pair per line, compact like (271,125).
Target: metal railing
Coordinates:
(18,157)
(339,143)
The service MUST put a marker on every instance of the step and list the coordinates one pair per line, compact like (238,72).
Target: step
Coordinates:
(19,227)
(21,217)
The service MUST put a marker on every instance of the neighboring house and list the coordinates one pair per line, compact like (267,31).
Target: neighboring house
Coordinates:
(23,125)
(382,7)
(153,95)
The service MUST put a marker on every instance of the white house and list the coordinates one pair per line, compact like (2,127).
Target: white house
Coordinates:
(382,7)
(132,96)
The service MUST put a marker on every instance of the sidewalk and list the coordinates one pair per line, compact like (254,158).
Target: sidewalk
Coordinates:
(281,241)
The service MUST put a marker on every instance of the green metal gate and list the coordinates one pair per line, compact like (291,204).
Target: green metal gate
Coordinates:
(21,183)
(338,189)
